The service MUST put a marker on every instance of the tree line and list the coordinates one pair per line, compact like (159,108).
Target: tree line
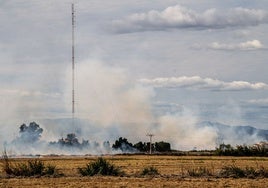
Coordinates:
(124,145)
(242,150)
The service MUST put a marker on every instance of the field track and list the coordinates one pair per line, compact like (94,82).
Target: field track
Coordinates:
(172,169)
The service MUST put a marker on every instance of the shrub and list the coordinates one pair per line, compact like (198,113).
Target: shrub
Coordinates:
(249,172)
(199,172)
(149,171)
(262,172)
(7,165)
(36,167)
(30,168)
(232,171)
(50,170)
(100,167)
(20,170)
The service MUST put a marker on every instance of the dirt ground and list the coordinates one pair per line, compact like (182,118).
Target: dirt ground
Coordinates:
(172,169)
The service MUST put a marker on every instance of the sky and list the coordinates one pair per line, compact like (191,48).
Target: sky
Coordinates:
(136,62)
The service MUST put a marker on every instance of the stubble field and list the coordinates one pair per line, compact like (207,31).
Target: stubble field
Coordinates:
(173,172)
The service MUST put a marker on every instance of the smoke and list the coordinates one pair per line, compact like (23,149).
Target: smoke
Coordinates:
(109,105)
(122,107)
(183,132)
(107,97)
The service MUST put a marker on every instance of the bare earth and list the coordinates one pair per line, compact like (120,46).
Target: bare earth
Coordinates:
(172,169)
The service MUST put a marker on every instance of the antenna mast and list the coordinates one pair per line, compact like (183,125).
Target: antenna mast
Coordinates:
(73,24)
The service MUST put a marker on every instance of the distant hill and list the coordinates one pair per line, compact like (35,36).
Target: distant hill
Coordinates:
(227,132)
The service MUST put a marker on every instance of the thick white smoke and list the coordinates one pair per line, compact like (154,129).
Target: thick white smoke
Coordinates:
(109,105)
(108,98)
(113,102)
(182,132)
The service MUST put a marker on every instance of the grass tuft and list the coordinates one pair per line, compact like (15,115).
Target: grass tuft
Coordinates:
(249,172)
(51,170)
(30,168)
(232,171)
(100,167)
(149,171)
(7,166)
(199,172)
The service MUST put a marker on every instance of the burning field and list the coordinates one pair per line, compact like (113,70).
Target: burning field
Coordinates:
(154,94)
(172,171)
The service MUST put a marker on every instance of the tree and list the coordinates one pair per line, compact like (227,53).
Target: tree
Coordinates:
(142,147)
(31,133)
(123,145)
(162,146)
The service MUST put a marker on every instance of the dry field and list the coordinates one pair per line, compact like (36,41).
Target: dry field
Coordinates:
(172,169)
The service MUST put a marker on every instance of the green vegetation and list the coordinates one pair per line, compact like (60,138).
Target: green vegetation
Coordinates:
(100,167)
(125,146)
(248,172)
(162,146)
(242,150)
(30,168)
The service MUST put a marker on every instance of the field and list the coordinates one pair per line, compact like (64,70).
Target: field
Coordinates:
(173,172)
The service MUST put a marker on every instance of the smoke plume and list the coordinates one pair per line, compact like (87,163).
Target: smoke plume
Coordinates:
(107,97)
(109,105)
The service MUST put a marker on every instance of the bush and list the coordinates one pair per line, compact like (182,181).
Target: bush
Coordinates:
(149,171)
(232,171)
(262,172)
(30,168)
(36,167)
(7,165)
(100,167)
(50,170)
(199,172)
(248,172)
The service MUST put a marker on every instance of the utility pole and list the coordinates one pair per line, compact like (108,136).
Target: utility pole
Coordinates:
(150,136)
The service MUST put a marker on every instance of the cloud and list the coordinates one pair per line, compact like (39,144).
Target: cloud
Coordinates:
(196,82)
(28,93)
(248,45)
(182,17)
(259,102)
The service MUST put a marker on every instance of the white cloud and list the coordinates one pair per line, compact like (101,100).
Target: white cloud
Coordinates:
(262,102)
(182,17)
(27,93)
(248,45)
(196,82)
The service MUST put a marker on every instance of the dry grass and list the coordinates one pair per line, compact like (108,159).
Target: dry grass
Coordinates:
(172,169)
